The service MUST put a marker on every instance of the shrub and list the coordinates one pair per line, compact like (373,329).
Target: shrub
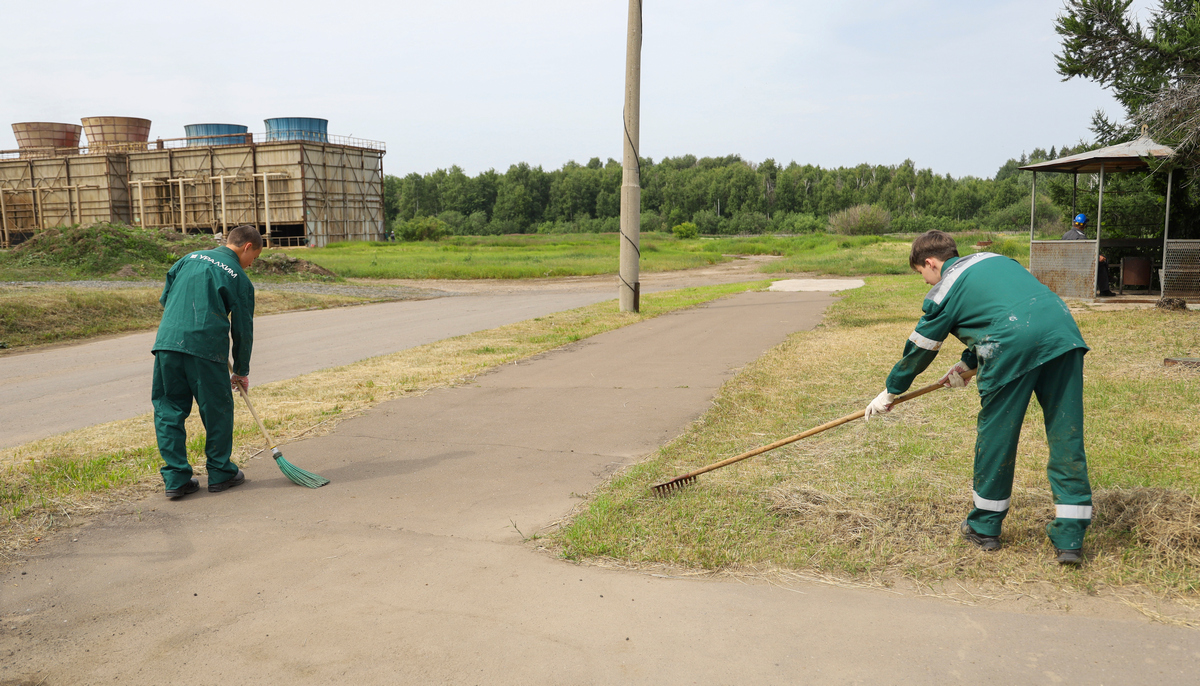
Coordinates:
(651,221)
(685,231)
(1015,217)
(860,220)
(922,223)
(423,229)
(454,220)
(749,223)
(798,222)
(706,222)
(476,224)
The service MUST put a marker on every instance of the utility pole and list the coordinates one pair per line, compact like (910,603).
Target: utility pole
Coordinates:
(631,181)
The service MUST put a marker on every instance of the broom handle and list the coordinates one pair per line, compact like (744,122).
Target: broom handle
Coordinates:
(246,397)
(816,430)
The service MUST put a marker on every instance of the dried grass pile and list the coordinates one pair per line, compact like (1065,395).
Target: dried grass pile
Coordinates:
(1163,520)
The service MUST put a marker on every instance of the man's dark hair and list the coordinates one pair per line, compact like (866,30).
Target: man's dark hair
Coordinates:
(245,234)
(937,244)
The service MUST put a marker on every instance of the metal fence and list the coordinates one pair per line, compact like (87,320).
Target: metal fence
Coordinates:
(1180,275)
(1066,267)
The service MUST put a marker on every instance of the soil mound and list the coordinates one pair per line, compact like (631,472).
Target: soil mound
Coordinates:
(107,249)
(281,264)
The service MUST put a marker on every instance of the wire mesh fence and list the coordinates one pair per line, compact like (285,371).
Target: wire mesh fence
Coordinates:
(1180,274)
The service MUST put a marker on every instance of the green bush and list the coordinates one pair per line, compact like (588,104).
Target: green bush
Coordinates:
(861,220)
(707,222)
(423,229)
(923,223)
(1047,217)
(798,222)
(748,223)
(685,231)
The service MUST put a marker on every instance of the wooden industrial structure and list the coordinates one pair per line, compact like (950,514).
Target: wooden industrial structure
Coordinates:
(299,192)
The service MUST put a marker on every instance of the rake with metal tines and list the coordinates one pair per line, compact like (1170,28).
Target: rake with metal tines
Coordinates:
(296,475)
(678,482)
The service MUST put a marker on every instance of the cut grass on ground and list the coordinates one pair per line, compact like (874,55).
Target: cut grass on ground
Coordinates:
(882,501)
(45,483)
(37,316)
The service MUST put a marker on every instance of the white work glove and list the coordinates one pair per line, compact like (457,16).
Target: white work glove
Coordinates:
(953,378)
(881,404)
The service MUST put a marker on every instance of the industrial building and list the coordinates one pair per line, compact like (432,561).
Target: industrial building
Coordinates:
(297,183)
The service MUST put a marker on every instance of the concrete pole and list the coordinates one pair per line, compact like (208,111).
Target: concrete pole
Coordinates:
(631,185)
(1162,282)
(1099,220)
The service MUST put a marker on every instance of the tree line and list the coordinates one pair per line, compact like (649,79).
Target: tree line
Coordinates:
(730,195)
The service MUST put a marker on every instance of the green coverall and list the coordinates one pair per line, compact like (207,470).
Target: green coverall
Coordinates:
(1024,341)
(207,299)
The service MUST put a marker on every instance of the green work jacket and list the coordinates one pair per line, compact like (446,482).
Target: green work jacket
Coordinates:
(206,300)
(1010,322)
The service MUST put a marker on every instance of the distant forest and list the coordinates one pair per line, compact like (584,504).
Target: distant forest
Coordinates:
(730,196)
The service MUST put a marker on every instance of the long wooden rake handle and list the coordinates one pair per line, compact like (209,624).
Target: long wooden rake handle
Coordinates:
(246,396)
(691,476)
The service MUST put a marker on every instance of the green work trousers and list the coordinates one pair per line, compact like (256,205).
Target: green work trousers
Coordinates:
(1058,385)
(178,379)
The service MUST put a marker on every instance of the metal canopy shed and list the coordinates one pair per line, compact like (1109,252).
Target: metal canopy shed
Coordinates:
(1069,267)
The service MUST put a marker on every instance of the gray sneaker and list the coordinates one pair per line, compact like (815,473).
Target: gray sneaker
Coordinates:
(1069,557)
(988,543)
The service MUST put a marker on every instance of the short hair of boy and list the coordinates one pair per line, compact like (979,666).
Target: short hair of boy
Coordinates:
(936,244)
(245,234)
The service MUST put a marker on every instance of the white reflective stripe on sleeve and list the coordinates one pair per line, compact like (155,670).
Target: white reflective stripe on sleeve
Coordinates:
(923,342)
(991,505)
(1073,511)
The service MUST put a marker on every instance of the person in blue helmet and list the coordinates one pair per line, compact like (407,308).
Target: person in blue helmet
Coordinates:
(1075,233)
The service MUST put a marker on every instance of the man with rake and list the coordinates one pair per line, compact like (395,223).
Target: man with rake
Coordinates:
(1023,340)
(207,300)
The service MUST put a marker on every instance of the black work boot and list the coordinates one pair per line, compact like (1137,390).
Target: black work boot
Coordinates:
(1068,557)
(237,480)
(988,543)
(190,487)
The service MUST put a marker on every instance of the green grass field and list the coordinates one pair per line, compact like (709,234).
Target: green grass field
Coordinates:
(504,257)
(537,256)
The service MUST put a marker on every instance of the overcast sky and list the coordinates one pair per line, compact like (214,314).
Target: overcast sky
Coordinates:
(955,85)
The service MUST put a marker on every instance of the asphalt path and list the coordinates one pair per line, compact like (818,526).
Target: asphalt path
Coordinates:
(54,390)
(416,564)
(48,392)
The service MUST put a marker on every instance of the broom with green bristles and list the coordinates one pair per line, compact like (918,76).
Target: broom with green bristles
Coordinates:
(303,477)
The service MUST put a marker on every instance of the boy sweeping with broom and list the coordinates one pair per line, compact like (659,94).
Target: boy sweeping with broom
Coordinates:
(207,300)
(1023,341)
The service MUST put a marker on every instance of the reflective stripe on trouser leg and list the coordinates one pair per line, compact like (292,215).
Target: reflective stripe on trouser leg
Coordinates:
(214,399)
(1001,413)
(171,395)
(1060,391)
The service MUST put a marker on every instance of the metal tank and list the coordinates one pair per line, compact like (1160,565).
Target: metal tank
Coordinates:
(116,134)
(297,129)
(223,134)
(44,137)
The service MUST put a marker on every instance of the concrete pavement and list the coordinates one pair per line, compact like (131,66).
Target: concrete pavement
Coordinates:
(47,392)
(409,567)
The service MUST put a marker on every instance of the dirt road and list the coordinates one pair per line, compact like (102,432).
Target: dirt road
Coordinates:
(412,566)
